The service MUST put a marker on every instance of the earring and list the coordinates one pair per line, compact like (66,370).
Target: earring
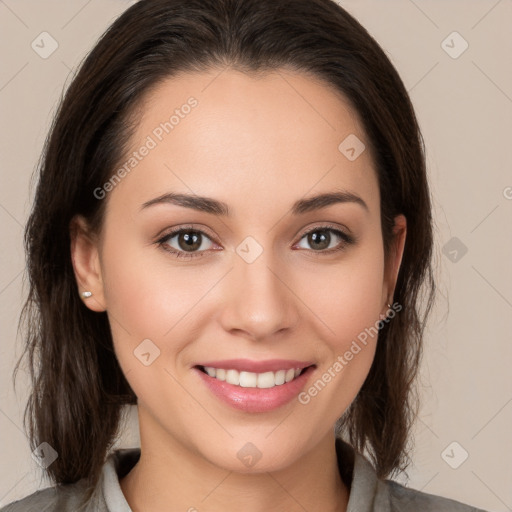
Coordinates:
(385,314)
(86,295)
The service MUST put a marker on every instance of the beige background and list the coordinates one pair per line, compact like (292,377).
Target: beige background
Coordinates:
(464,106)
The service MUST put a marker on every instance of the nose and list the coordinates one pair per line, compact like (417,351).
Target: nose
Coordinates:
(259,299)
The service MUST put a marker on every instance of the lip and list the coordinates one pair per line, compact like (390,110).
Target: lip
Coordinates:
(248,365)
(255,400)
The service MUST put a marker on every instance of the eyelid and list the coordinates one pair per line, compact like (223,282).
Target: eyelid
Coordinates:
(166,232)
(329,226)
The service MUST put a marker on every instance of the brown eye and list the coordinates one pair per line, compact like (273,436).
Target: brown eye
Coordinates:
(326,239)
(189,240)
(319,240)
(185,243)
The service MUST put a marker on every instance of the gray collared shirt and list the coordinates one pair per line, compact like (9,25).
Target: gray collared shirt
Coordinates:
(368,493)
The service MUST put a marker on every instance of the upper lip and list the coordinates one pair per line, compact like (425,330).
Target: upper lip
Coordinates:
(248,365)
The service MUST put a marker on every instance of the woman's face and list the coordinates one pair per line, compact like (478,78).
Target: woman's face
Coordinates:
(244,287)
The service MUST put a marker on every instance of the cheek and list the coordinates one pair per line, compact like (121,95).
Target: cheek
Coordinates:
(347,296)
(149,304)
(151,296)
(146,292)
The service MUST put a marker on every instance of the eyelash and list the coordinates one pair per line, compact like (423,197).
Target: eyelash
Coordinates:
(346,240)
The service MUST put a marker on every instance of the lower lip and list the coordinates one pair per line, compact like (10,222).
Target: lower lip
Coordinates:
(255,399)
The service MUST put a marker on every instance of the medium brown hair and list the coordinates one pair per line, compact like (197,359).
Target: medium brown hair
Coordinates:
(78,388)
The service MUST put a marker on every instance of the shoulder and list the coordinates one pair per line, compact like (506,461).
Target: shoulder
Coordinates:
(405,499)
(62,498)
(368,493)
(79,496)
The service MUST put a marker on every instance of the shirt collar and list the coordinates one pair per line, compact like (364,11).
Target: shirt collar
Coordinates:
(366,490)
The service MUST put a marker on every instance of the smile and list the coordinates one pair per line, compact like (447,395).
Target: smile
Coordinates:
(255,386)
(246,379)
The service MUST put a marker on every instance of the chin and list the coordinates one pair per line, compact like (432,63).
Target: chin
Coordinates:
(259,455)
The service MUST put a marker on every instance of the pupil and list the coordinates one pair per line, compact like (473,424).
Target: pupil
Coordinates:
(320,237)
(191,241)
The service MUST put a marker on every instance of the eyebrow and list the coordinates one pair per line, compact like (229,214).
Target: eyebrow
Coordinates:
(219,208)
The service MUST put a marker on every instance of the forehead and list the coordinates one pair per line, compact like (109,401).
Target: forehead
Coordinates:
(242,137)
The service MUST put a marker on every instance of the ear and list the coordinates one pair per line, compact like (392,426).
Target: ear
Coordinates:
(86,263)
(394,259)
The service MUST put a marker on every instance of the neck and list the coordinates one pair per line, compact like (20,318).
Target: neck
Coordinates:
(171,477)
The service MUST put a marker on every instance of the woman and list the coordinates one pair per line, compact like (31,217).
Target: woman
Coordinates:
(231,230)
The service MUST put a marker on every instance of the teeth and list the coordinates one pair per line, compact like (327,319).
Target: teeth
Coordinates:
(280,377)
(248,379)
(232,377)
(253,380)
(266,380)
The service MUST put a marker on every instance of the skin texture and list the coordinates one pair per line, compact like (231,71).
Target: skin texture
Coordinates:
(257,143)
